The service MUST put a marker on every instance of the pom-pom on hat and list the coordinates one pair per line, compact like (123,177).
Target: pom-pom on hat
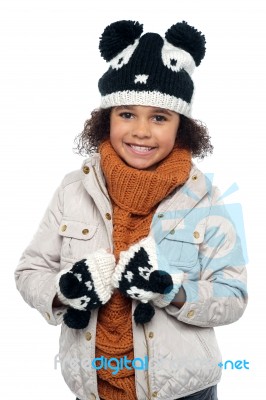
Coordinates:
(150,70)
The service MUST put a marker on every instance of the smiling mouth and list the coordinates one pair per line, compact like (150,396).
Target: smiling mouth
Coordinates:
(140,149)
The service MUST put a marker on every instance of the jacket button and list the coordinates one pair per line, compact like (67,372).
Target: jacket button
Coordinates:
(63,228)
(172,232)
(194,177)
(86,169)
(154,394)
(196,235)
(108,216)
(191,314)
(47,315)
(151,334)
(88,336)
(85,231)
(160,215)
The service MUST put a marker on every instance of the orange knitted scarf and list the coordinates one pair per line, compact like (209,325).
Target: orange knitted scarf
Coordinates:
(135,195)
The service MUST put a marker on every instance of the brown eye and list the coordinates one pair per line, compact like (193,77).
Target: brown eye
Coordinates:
(160,118)
(126,115)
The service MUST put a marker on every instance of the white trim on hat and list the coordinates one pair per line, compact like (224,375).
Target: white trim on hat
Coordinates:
(153,99)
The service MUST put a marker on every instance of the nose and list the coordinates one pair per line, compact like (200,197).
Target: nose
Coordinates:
(141,129)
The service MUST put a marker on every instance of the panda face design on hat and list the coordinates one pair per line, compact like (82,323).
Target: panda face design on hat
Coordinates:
(150,70)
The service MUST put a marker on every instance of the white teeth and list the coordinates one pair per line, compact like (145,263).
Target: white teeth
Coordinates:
(141,148)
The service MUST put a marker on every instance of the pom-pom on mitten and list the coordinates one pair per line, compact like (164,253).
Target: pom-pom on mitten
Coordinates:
(137,276)
(85,286)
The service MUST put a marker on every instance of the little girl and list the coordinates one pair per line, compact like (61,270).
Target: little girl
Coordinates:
(136,256)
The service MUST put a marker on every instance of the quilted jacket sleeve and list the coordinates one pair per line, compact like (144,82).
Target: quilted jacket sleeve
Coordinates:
(219,296)
(40,262)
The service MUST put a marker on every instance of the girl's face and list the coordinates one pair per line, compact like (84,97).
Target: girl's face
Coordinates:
(143,136)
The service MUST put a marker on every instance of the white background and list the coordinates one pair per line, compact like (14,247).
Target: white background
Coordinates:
(50,66)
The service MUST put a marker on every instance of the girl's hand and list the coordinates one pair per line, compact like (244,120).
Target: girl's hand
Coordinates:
(85,286)
(137,276)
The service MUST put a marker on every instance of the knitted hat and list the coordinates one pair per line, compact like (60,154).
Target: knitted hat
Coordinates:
(150,70)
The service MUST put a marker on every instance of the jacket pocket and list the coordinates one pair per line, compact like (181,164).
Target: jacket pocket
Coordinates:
(77,238)
(203,343)
(181,246)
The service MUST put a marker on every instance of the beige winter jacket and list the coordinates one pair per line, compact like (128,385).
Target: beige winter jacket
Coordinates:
(194,234)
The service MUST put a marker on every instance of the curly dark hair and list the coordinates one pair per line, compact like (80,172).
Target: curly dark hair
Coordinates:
(192,134)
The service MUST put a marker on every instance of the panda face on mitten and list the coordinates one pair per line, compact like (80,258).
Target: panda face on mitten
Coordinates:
(140,281)
(137,275)
(77,285)
(135,279)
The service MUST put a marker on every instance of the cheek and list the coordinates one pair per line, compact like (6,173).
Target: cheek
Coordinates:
(114,127)
(113,139)
(114,133)
(170,140)
(169,145)
(175,134)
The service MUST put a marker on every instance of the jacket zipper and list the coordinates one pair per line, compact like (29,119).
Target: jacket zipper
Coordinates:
(148,354)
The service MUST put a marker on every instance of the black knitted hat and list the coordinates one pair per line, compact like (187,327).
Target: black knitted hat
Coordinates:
(150,70)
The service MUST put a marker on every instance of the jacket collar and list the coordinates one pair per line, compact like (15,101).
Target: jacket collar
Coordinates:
(197,185)
(93,176)
(171,210)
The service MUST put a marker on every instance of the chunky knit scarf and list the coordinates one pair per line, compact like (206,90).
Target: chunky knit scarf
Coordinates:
(135,195)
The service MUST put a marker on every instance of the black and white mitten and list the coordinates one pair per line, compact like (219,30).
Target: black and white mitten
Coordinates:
(137,276)
(85,286)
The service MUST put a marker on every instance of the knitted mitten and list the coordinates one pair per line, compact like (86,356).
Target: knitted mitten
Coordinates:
(85,286)
(137,276)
